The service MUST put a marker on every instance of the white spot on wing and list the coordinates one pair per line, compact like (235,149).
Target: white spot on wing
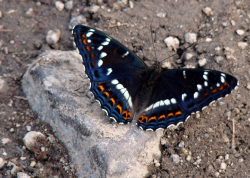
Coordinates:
(183,96)
(89,34)
(222,79)
(91,30)
(217,84)
(167,102)
(125,54)
(100,48)
(119,86)
(196,94)
(114,82)
(199,87)
(109,71)
(89,41)
(105,111)
(205,76)
(184,73)
(100,62)
(103,54)
(173,101)
(157,104)
(205,83)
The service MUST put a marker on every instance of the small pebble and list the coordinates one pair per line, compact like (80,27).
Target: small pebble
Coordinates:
(92,9)
(22,158)
(31,138)
(176,158)
(181,144)
(53,36)
(218,59)
(189,56)
(59,5)
(172,42)
(43,149)
(241,160)
(4,153)
(191,37)
(223,166)
(69,5)
(32,164)
(197,162)
(29,13)
(208,40)
(206,135)
(22,175)
(12,42)
(28,128)
(224,24)
(197,115)
(207,11)
(2,163)
(1,14)
(131,4)
(233,22)
(11,130)
(242,45)
(216,174)
(161,14)
(240,32)
(5,140)
(80,19)
(189,158)
(18,125)
(5,50)
(227,157)
(202,62)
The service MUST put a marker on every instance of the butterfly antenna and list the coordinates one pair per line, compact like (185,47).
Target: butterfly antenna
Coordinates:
(152,39)
(177,53)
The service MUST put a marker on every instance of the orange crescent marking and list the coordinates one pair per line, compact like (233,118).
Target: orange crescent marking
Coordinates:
(92,64)
(221,88)
(143,119)
(113,101)
(170,115)
(84,41)
(106,94)
(178,113)
(214,91)
(162,117)
(206,94)
(120,108)
(83,35)
(92,55)
(87,48)
(152,119)
(226,84)
(101,87)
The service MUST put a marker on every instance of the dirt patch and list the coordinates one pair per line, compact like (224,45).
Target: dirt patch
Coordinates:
(203,145)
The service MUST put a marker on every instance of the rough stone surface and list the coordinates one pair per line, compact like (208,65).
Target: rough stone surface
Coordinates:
(56,87)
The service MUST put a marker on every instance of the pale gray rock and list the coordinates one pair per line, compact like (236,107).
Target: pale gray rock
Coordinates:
(97,147)
(22,175)
(191,37)
(59,5)
(53,36)
(2,163)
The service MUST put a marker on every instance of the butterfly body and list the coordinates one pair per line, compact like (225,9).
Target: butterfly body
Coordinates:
(126,87)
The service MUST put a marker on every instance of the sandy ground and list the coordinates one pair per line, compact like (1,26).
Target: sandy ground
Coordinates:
(214,143)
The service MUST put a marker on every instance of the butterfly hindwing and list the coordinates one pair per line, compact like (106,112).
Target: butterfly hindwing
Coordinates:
(182,92)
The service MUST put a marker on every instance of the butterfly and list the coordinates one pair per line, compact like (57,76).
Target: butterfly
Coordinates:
(126,87)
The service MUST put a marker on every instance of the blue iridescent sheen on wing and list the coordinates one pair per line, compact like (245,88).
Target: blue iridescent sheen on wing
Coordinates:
(124,85)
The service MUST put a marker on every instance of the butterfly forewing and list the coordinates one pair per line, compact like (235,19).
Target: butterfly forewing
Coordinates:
(105,58)
(114,72)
